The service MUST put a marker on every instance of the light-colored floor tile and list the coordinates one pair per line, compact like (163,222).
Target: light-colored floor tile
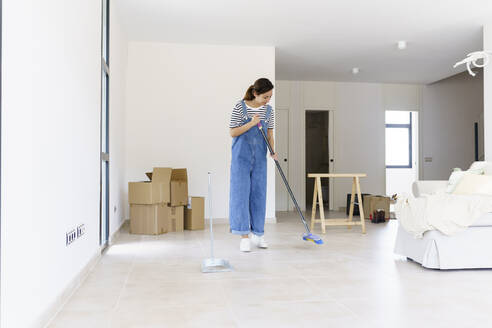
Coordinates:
(269,290)
(82,319)
(202,315)
(296,314)
(150,293)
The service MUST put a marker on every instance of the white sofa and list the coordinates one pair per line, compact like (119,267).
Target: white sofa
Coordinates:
(469,249)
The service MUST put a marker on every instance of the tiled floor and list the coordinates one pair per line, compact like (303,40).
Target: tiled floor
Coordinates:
(353,280)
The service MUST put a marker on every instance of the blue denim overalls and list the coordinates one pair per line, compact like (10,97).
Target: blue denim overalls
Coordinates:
(247,202)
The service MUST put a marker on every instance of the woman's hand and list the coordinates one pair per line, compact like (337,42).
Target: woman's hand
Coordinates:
(274,156)
(235,132)
(255,120)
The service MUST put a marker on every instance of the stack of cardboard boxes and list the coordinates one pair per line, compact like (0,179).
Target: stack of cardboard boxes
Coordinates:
(158,206)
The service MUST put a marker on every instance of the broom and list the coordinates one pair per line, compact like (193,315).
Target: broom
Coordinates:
(308,236)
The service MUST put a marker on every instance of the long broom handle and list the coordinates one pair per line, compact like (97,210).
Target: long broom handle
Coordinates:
(283,178)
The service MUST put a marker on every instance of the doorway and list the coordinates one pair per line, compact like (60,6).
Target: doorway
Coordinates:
(401,151)
(318,154)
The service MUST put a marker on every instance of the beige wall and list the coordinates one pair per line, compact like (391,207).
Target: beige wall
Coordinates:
(358,123)
(450,109)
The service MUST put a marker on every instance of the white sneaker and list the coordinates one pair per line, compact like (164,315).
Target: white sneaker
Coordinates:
(245,245)
(259,241)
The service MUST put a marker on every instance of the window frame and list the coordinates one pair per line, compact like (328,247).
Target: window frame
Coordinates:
(410,145)
(104,212)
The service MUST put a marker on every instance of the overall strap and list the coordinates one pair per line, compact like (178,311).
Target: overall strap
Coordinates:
(268,113)
(245,111)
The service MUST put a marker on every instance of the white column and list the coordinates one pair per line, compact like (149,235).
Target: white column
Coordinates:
(487,95)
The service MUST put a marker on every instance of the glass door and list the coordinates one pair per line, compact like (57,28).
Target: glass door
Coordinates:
(104,197)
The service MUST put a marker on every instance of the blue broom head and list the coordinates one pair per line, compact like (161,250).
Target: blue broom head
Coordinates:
(310,237)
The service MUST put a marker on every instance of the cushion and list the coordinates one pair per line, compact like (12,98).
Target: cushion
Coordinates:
(487,170)
(476,168)
(474,184)
(481,167)
(454,178)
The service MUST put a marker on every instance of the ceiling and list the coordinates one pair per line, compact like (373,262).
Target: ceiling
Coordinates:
(324,40)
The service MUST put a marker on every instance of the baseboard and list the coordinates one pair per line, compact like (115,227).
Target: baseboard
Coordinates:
(226,220)
(117,233)
(53,310)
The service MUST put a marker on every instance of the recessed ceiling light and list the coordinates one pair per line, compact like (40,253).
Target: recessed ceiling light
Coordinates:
(355,70)
(402,45)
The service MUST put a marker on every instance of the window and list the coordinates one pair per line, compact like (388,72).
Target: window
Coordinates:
(398,139)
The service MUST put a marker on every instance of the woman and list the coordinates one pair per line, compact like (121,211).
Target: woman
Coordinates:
(247,202)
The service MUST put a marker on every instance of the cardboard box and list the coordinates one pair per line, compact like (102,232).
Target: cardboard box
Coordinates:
(373,203)
(195,214)
(174,217)
(154,191)
(148,219)
(179,187)
(156,219)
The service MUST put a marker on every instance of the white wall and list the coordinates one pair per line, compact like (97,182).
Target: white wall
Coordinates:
(359,128)
(405,97)
(50,151)
(487,96)
(450,109)
(117,138)
(179,102)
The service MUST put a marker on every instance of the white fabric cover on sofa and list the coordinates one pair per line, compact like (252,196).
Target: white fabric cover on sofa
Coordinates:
(428,187)
(469,249)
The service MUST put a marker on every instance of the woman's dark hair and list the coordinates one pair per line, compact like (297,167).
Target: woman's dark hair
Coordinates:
(260,87)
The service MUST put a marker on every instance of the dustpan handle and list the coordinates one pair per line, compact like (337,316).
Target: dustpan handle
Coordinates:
(210,215)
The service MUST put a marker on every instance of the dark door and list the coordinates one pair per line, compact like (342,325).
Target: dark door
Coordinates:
(317,159)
